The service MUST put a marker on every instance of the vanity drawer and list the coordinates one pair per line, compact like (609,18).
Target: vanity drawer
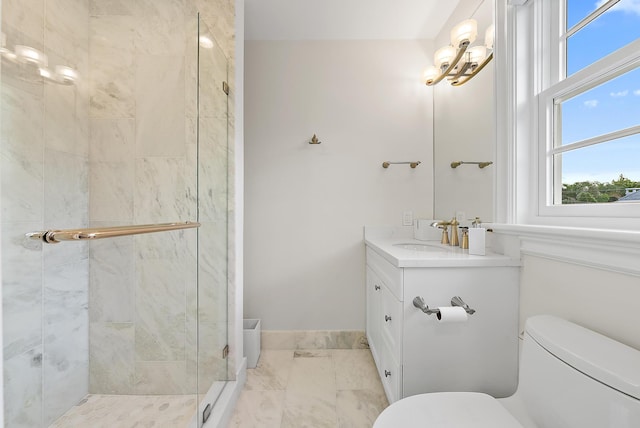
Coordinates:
(391,319)
(374,302)
(390,375)
(388,273)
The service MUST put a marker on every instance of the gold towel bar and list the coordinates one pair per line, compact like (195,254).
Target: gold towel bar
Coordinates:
(56,236)
(480,164)
(411,164)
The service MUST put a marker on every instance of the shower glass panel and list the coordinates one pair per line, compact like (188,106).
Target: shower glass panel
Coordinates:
(112,114)
(212,214)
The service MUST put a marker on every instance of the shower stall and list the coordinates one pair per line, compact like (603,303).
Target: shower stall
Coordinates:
(114,198)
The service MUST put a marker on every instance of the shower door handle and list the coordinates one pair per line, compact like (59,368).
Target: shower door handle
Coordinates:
(56,236)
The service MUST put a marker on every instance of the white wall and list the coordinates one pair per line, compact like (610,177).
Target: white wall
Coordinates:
(604,301)
(464,121)
(588,276)
(306,204)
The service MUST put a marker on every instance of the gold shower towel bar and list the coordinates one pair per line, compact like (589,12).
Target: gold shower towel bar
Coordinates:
(56,236)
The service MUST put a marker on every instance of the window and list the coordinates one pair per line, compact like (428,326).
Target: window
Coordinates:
(589,109)
(594,29)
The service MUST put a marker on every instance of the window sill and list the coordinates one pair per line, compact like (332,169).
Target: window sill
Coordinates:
(613,250)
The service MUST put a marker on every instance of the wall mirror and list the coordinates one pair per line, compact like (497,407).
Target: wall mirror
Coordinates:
(464,130)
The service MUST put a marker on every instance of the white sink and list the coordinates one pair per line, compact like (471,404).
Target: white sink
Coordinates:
(420,247)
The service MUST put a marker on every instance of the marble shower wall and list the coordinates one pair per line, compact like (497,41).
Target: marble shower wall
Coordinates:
(143,170)
(44,151)
(144,128)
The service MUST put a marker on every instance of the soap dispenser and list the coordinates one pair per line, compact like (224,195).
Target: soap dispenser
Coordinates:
(477,238)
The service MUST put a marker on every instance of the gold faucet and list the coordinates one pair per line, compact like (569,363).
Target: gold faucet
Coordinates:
(454,232)
(465,238)
(444,225)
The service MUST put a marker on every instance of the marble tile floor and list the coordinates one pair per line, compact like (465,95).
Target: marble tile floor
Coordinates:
(130,411)
(314,388)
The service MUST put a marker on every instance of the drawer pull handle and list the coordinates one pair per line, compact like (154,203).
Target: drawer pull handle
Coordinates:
(387,373)
(376,287)
(387,318)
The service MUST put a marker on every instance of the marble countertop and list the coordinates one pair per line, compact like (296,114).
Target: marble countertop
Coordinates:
(384,240)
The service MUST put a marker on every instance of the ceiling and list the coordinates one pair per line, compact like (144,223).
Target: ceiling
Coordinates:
(345,19)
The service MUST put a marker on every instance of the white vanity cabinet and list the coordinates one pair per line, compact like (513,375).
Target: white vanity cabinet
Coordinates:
(415,353)
(384,326)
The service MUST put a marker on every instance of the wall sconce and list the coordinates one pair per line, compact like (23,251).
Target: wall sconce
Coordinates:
(459,64)
(29,55)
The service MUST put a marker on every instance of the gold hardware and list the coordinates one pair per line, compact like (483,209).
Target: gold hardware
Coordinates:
(225,87)
(314,140)
(454,232)
(444,225)
(445,234)
(447,69)
(386,164)
(480,164)
(465,238)
(474,71)
(56,236)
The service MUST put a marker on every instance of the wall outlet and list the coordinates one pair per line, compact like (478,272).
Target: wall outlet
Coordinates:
(407,218)
(460,216)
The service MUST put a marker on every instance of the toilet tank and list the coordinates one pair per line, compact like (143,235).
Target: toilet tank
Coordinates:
(572,377)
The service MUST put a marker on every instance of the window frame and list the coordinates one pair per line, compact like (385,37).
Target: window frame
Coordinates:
(551,85)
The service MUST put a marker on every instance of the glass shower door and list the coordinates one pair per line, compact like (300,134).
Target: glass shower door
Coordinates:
(108,120)
(213,216)
(44,155)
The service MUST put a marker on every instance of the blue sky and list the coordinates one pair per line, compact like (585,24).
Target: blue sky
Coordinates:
(609,107)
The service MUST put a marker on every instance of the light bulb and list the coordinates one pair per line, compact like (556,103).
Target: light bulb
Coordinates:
(45,72)
(489,36)
(477,54)
(10,56)
(27,54)
(66,75)
(430,74)
(3,49)
(205,42)
(467,30)
(444,55)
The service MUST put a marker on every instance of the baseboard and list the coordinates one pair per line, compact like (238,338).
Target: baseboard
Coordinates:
(314,339)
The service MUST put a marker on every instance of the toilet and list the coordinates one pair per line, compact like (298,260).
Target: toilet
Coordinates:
(569,377)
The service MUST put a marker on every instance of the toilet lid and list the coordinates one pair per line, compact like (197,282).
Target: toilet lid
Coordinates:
(447,409)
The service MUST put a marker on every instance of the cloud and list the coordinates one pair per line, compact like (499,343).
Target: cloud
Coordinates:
(629,6)
(619,94)
(636,92)
(591,103)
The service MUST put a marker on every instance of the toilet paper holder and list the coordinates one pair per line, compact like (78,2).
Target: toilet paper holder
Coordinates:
(419,303)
